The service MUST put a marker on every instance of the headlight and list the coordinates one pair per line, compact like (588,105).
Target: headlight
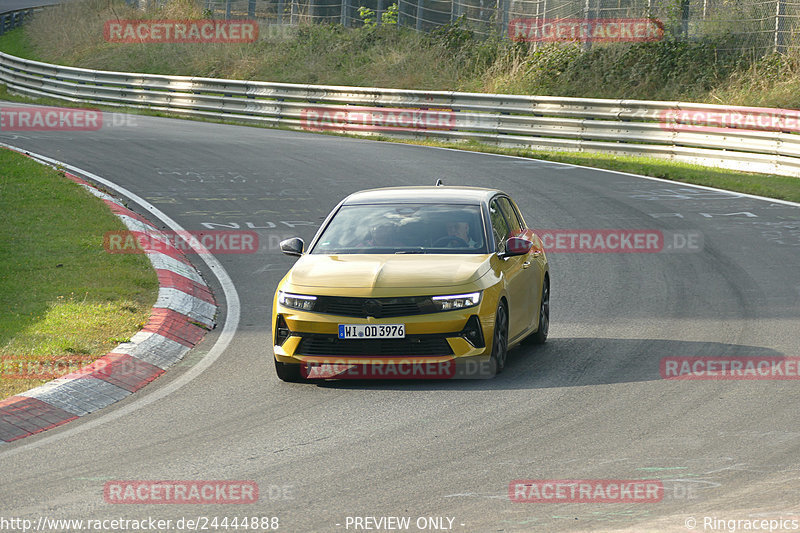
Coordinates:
(296,301)
(456,301)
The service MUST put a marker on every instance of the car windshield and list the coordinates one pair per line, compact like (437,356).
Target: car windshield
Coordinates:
(405,228)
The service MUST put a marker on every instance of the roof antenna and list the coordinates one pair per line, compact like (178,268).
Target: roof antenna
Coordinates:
(439,182)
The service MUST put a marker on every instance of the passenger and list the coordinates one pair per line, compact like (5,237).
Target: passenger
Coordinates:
(382,236)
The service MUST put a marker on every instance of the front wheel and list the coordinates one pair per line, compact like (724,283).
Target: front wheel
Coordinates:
(500,339)
(544,315)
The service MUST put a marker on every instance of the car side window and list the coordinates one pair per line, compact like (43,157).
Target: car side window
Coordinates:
(511,216)
(521,218)
(499,225)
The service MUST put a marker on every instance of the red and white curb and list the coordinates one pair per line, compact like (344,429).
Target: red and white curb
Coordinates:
(183,313)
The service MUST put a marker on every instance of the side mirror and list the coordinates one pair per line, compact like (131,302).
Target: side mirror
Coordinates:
(293,246)
(517,246)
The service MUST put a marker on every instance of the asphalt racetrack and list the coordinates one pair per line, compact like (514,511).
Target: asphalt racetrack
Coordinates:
(591,404)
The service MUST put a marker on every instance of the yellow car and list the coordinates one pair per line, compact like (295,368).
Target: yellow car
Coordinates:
(414,282)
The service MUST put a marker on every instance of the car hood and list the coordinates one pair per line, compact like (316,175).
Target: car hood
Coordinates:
(388,270)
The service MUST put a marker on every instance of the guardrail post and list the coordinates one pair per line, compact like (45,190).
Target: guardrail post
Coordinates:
(419,14)
(251,8)
(780,26)
(295,13)
(344,17)
(14,19)
(227,9)
(378,12)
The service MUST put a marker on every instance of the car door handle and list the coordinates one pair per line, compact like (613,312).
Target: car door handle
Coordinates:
(526,264)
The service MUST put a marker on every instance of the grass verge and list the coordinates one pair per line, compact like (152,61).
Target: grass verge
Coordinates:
(65,300)
(16,43)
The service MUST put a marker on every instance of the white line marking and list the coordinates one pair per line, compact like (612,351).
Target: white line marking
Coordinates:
(225,337)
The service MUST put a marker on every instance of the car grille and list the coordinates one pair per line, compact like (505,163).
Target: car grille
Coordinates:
(375,307)
(419,345)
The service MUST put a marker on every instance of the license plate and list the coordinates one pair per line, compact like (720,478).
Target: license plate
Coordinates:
(370,331)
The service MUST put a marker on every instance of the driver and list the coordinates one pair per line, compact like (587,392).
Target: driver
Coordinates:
(458,231)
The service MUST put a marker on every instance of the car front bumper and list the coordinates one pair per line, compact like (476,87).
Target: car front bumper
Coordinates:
(431,338)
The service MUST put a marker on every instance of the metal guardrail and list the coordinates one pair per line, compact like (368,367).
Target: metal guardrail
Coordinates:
(623,127)
(14,19)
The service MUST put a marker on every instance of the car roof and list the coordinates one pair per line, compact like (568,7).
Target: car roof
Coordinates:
(423,195)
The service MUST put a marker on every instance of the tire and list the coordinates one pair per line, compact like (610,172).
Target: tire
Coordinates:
(288,372)
(544,315)
(500,339)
